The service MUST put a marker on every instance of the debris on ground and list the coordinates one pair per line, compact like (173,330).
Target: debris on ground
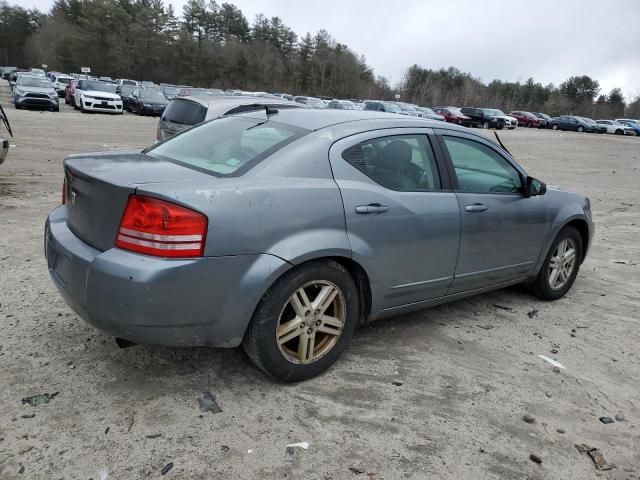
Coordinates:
(606,420)
(620,418)
(154,435)
(41,399)
(528,418)
(208,403)
(532,313)
(502,307)
(561,431)
(554,350)
(166,468)
(106,430)
(535,458)
(356,470)
(552,361)
(291,448)
(28,415)
(130,421)
(485,327)
(21,469)
(224,448)
(596,456)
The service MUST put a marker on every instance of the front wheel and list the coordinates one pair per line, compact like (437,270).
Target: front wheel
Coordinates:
(560,267)
(485,125)
(304,321)
(580,129)
(554,127)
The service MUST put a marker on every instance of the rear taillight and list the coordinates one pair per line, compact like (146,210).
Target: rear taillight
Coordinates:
(160,228)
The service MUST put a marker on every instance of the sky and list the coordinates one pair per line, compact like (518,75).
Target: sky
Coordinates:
(549,40)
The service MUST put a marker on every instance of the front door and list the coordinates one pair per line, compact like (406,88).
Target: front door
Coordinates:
(402,220)
(502,231)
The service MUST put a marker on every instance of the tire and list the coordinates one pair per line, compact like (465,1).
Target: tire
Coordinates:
(486,125)
(580,129)
(554,127)
(282,361)
(541,286)
(619,132)
(531,125)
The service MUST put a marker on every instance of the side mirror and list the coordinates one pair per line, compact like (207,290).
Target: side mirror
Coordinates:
(535,187)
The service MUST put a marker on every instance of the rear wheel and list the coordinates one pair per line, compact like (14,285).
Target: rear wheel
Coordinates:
(554,127)
(619,132)
(304,321)
(560,267)
(485,125)
(531,125)
(580,129)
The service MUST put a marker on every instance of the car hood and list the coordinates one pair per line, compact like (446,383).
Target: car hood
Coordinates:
(100,93)
(46,90)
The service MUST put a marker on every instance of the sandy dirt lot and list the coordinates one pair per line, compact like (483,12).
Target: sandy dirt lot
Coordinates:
(425,396)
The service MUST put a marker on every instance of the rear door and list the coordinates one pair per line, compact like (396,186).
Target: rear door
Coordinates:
(402,219)
(502,231)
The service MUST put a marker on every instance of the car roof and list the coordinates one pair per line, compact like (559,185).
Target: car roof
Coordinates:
(216,105)
(316,119)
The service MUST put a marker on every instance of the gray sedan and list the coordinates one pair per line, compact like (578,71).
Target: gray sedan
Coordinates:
(284,231)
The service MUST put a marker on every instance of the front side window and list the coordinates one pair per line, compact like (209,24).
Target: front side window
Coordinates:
(402,162)
(480,169)
(226,145)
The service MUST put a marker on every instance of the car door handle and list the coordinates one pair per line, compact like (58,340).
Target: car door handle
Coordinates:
(371,208)
(476,208)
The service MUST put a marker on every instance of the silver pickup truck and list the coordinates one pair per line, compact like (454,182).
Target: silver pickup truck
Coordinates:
(4,142)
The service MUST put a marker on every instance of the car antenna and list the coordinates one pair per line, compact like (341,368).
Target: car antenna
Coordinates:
(501,144)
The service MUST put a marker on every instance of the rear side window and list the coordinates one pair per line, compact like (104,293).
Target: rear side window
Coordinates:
(402,162)
(227,146)
(184,112)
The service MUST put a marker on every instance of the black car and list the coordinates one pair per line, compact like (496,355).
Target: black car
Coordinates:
(545,120)
(576,124)
(484,117)
(148,101)
(125,92)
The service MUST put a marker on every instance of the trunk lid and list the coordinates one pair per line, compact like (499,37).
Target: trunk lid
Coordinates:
(98,186)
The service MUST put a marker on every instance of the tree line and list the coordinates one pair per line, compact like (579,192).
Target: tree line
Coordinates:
(215,45)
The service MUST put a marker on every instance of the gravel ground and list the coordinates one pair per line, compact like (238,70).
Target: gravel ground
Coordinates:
(428,395)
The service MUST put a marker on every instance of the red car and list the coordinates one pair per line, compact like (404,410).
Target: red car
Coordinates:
(70,92)
(527,119)
(453,115)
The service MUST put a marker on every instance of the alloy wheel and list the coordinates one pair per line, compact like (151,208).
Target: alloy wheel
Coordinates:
(562,263)
(311,322)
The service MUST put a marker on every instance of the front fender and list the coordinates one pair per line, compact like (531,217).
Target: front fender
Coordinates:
(565,215)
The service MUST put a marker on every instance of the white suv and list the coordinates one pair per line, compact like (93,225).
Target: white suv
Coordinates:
(96,96)
(60,82)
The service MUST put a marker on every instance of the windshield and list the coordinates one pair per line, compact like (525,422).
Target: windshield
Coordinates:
(34,82)
(391,107)
(170,91)
(125,90)
(100,87)
(152,95)
(129,82)
(494,111)
(226,145)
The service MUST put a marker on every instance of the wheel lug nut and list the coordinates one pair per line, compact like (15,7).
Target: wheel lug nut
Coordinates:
(317,312)
(307,313)
(318,322)
(309,331)
(302,325)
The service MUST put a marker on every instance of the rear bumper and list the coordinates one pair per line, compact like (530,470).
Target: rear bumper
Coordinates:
(191,302)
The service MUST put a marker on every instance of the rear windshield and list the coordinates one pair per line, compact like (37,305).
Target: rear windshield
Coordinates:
(227,146)
(184,112)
